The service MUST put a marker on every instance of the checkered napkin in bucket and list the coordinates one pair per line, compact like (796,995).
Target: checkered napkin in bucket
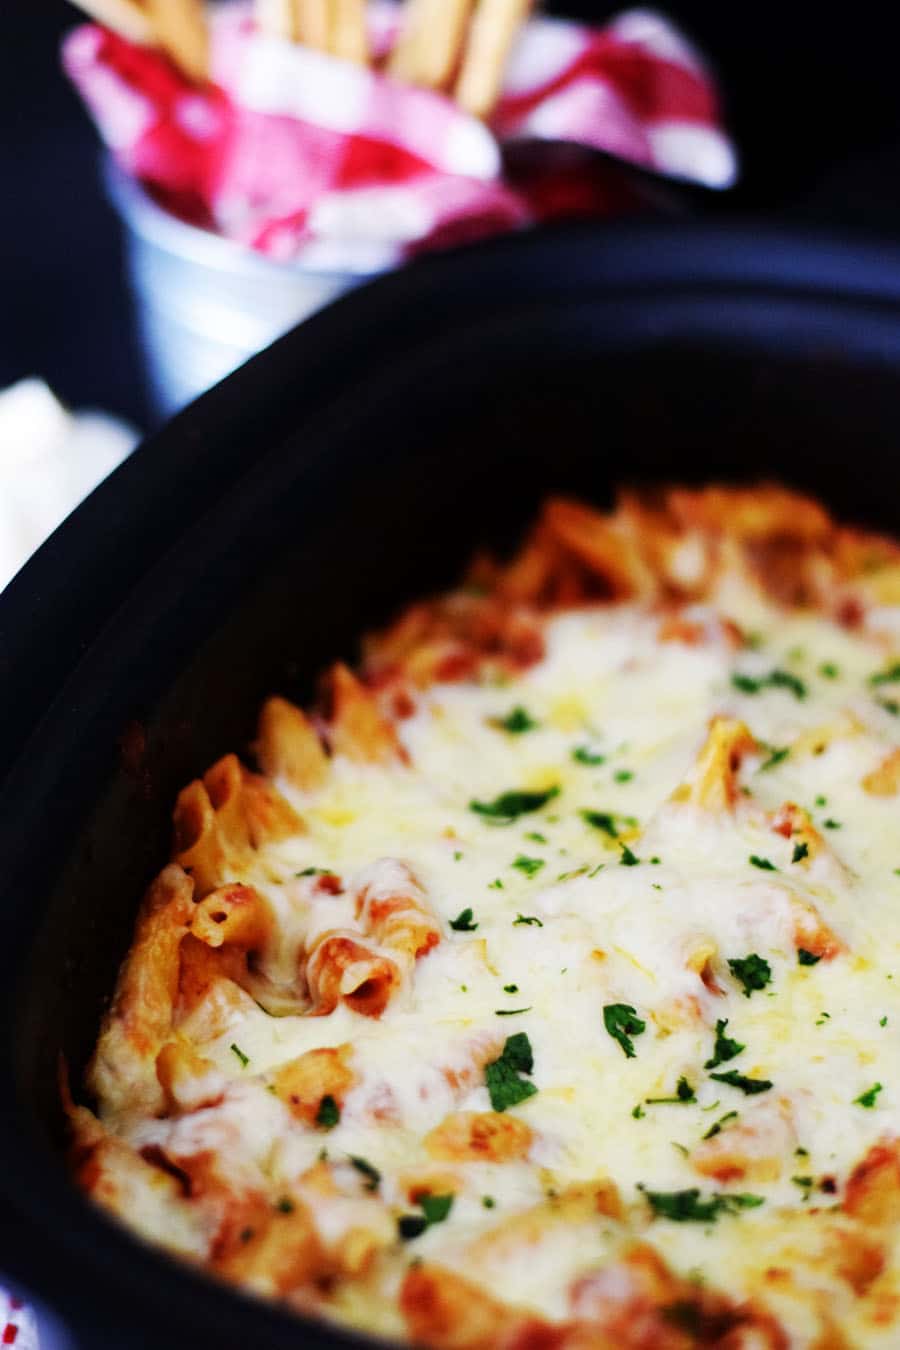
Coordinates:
(310,158)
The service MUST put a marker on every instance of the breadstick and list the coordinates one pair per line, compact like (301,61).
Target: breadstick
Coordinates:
(124,17)
(428,49)
(348,37)
(180,28)
(277,19)
(313,22)
(493,31)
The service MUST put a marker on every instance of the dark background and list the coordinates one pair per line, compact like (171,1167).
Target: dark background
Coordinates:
(813,99)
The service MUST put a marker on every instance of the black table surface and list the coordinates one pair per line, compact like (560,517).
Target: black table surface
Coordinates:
(812,103)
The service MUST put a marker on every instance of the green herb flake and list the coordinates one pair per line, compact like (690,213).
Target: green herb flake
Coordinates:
(510,1012)
(638,1112)
(753,972)
(436,1207)
(502,1075)
(717,1127)
(829,671)
(805,958)
(882,1021)
(628,859)
(495,885)
(583,754)
(529,866)
(801,851)
(516,723)
(463,922)
(510,989)
(236,1050)
(750,1086)
(623,775)
(832,824)
(506,808)
(805,1183)
(457,856)
(821,801)
(622,1022)
(868,1098)
(488,1202)
(688,1207)
(285,1205)
(684,1096)
(763,864)
(725,1048)
(410,1226)
(371,1174)
(535,837)
(890,705)
(601,820)
(889,676)
(530,919)
(775,757)
(314,872)
(328,1114)
(776,679)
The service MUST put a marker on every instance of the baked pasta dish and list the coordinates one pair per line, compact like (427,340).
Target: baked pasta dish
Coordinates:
(540,988)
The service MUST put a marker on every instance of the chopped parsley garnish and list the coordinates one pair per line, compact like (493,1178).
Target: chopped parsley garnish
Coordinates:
(750,1086)
(535,837)
(776,679)
(411,1226)
(371,1174)
(717,1127)
(882,1021)
(628,859)
(775,757)
(639,1112)
(805,958)
(436,1207)
(463,922)
(725,1048)
(801,851)
(529,919)
(805,1183)
(889,676)
(829,671)
(583,754)
(832,824)
(510,1012)
(314,872)
(510,805)
(623,775)
(504,1084)
(763,864)
(236,1050)
(688,1207)
(515,722)
(457,856)
(867,1099)
(530,866)
(495,885)
(285,1205)
(753,972)
(890,705)
(488,1201)
(328,1114)
(601,820)
(622,1022)
(510,989)
(684,1095)
(821,801)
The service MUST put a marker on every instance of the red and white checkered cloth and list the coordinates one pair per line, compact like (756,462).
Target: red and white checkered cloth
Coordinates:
(306,157)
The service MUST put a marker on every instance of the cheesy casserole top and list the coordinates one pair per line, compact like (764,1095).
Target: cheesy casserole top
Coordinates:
(542,988)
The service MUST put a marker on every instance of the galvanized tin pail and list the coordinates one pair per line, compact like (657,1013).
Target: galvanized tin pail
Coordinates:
(205,304)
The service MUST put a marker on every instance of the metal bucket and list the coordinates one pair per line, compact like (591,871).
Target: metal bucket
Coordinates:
(205,304)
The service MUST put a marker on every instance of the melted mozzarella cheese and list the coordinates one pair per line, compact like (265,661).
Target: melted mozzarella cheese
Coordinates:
(574,916)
